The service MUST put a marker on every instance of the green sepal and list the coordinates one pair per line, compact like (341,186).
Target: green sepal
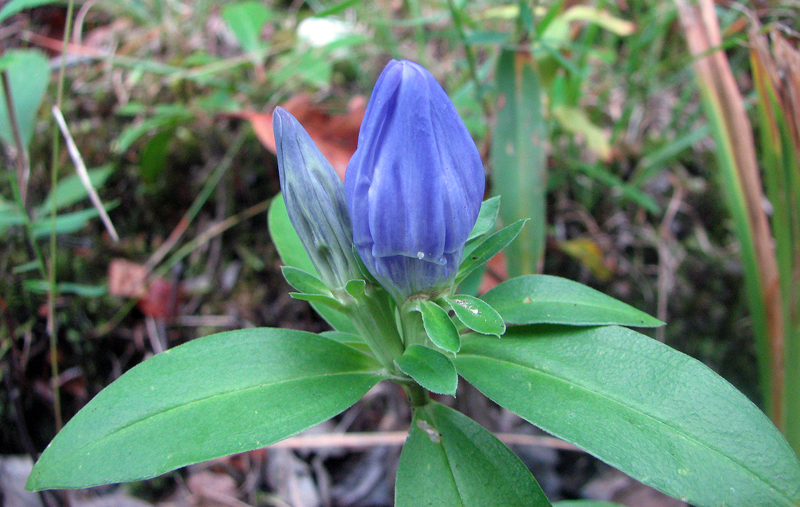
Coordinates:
(303,281)
(487,249)
(429,368)
(439,327)
(450,460)
(356,288)
(293,254)
(477,315)
(545,299)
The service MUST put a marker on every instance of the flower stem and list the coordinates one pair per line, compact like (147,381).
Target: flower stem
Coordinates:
(417,396)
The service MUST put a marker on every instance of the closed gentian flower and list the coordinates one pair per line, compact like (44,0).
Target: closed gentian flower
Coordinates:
(315,202)
(414,185)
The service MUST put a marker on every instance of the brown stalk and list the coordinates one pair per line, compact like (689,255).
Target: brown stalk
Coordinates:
(701,29)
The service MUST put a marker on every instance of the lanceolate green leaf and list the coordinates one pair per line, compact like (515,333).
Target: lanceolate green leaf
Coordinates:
(285,238)
(449,460)
(439,327)
(654,413)
(304,282)
(544,299)
(486,217)
(519,157)
(226,393)
(430,368)
(477,314)
(293,254)
(490,247)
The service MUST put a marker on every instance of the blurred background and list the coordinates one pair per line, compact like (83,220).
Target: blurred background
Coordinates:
(654,145)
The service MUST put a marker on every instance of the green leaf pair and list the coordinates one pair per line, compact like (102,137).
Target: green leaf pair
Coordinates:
(567,367)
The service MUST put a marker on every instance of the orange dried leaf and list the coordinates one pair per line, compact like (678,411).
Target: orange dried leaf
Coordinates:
(335,135)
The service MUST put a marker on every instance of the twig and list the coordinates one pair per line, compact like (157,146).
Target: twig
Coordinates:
(392,438)
(83,174)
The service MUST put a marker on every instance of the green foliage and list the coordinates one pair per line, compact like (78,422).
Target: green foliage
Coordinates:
(439,328)
(226,393)
(28,76)
(246,20)
(294,255)
(68,192)
(450,460)
(480,254)
(429,368)
(545,299)
(477,315)
(519,158)
(644,408)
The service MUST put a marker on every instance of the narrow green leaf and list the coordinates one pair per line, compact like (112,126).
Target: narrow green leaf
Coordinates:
(154,156)
(654,413)
(544,299)
(246,20)
(291,250)
(477,315)
(449,460)
(490,247)
(67,223)
(79,289)
(440,327)
(336,8)
(304,282)
(226,393)
(285,239)
(519,157)
(71,189)
(430,368)
(28,76)
(319,299)
(15,6)
(487,217)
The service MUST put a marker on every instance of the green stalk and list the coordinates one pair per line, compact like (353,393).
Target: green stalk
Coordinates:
(52,323)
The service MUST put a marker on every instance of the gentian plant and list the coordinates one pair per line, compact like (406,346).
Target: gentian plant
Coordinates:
(381,257)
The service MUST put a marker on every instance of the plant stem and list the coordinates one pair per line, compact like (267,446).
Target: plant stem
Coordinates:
(417,396)
(52,323)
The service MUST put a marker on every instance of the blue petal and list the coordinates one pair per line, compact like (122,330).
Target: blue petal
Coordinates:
(414,185)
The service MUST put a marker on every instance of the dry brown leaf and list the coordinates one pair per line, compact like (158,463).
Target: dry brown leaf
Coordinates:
(335,135)
(158,297)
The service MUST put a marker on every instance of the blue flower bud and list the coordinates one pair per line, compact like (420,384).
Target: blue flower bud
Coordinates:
(315,202)
(414,185)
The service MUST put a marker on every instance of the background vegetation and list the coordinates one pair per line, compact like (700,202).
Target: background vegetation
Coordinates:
(615,145)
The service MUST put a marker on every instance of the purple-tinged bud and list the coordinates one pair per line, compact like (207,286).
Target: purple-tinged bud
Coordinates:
(414,185)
